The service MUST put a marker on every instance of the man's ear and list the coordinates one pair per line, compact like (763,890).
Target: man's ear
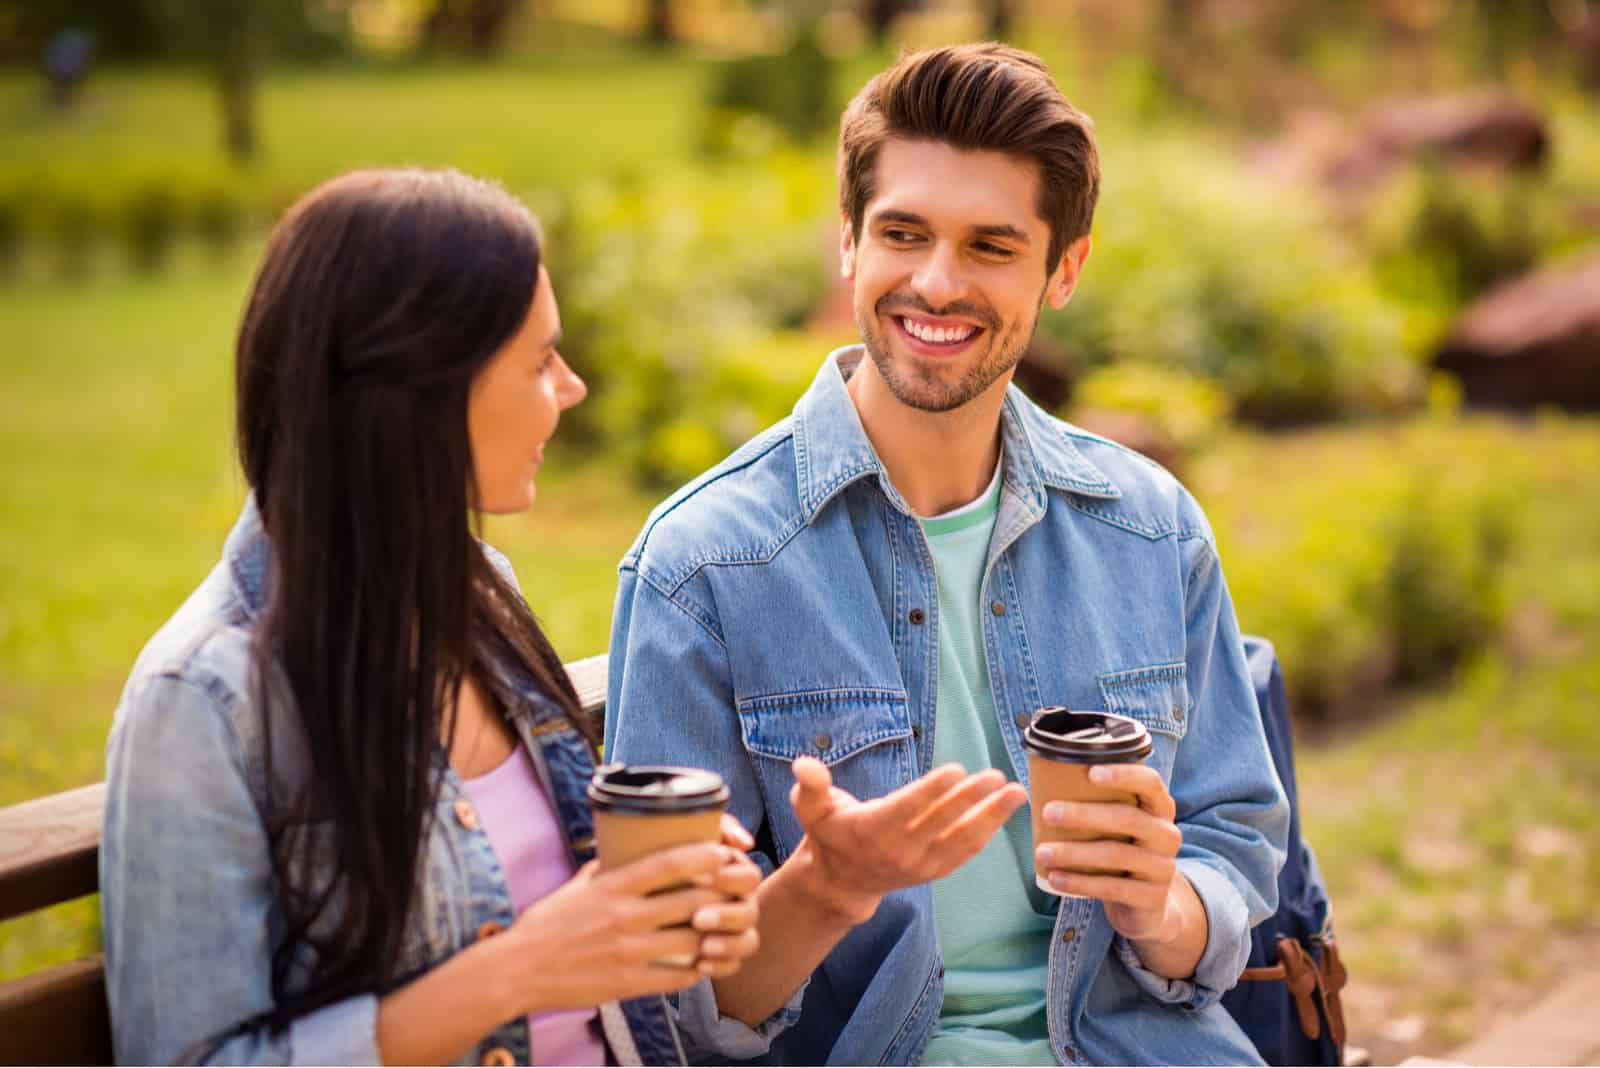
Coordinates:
(1065,278)
(847,248)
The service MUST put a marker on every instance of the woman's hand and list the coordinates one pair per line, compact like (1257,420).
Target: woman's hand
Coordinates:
(598,937)
(730,926)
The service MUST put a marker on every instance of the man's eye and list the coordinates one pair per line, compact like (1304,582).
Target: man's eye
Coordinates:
(990,249)
(900,237)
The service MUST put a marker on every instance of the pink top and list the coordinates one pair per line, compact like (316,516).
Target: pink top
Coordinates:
(522,828)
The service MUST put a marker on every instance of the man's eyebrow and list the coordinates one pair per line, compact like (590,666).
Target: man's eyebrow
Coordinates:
(896,216)
(1009,233)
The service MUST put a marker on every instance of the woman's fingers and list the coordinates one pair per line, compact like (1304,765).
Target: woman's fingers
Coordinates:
(696,863)
(672,907)
(734,834)
(731,916)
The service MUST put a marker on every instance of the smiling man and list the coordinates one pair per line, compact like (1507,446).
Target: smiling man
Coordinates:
(853,617)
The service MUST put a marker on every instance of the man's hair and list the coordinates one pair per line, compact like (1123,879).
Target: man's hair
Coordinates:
(976,96)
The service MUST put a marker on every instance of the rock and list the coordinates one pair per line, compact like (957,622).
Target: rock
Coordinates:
(1531,341)
(1487,128)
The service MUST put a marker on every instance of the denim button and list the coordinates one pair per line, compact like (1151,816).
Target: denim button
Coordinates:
(916,617)
(497,1057)
(489,930)
(1067,1054)
(1177,712)
(1022,719)
(998,608)
(1069,934)
(823,741)
(466,815)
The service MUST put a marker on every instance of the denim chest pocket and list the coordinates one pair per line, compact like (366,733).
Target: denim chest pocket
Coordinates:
(1157,697)
(863,735)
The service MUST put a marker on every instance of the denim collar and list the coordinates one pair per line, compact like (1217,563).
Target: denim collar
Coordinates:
(832,449)
(249,557)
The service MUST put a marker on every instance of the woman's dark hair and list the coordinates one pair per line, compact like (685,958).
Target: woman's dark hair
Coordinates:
(380,297)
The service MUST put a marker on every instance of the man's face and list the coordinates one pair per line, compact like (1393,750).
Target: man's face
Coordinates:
(949,272)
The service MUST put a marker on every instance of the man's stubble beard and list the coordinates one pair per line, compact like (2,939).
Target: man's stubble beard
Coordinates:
(930,395)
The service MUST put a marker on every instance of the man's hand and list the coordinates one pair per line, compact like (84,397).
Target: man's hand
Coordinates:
(1151,903)
(923,831)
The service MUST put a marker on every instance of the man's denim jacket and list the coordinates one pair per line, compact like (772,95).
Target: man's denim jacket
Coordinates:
(785,604)
(190,912)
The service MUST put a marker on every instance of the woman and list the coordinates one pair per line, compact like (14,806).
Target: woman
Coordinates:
(345,819)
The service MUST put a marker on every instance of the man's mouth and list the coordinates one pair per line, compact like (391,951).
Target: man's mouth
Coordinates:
(935,335)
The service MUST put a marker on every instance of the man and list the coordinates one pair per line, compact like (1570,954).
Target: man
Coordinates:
(871,597)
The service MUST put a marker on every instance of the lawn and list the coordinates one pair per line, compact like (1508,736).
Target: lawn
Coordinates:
(534,123)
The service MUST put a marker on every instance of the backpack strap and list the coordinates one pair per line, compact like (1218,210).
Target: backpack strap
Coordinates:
(1298,972)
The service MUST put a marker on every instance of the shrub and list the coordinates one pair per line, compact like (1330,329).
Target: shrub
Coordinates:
(1238,282)
(793,90)
(70,220)
(671,291)
(219,214)
(1184,409)
(11,224)
(1365,573)
(152,217)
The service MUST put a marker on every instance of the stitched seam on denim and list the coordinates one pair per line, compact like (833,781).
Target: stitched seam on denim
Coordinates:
(830,756)
(779,433)
(916,1009)
(837,695)
(1175,669)
(1151,532)
(1208,559)
(689,609)
(1154,681)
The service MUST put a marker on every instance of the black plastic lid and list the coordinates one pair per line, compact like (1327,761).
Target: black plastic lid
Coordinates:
(653,790)
(1087,737)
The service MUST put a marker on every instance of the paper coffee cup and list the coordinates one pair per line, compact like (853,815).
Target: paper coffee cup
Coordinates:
(641,810)
(1062,746)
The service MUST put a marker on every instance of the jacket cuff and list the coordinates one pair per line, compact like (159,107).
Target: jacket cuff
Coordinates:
(345,1032)
(1227,944)
(708,1031)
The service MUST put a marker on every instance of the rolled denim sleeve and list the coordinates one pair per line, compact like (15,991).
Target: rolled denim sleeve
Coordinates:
(187,896)
(670,701)
(1231,809)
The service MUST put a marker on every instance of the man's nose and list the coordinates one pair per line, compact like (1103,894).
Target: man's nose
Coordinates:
(938,279)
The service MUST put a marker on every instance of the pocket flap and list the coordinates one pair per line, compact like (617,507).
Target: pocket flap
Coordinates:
(1156,696)
(831,725)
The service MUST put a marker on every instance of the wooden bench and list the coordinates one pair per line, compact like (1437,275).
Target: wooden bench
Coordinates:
(49,854)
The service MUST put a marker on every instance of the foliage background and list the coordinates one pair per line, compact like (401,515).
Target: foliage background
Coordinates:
(1431,576)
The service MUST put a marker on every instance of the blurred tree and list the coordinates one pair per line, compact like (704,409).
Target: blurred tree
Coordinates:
(1002,14)
(476,26)
(658,26)
(880,15)
(120,28)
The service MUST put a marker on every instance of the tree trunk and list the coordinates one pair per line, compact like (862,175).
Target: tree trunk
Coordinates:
(237,78)
(1002,15)
(880,16)
(659,29)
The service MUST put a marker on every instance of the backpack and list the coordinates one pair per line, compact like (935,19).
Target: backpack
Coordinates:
(1287,999)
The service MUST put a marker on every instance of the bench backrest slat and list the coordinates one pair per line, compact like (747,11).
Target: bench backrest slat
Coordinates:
(49,853)
(48,850)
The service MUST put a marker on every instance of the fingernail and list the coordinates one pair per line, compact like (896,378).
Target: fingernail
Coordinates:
(712,947)
(1055,812)
(707,917)
(1100,775)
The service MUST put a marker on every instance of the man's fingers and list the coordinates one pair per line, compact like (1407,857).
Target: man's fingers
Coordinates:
(730,917)
(1108,857)
(812,795)
(909,802)
(1110,819)
(955,802)
(1141,780)
(963,839)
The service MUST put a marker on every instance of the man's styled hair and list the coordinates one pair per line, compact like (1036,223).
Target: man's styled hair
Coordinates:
(976,96)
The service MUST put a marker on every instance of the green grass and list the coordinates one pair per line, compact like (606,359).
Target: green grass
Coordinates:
(533,122)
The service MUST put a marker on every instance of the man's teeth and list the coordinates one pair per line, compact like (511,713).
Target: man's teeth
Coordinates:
(937,335)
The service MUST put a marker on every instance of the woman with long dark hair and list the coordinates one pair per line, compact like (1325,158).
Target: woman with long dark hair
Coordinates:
(345,819)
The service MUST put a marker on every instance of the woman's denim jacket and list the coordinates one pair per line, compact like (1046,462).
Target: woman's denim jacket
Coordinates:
(190,913)
(785,603)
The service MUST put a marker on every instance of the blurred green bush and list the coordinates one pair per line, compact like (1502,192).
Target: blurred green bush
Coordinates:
(1365,573)
(793,90)
(676,294)
(1200,267)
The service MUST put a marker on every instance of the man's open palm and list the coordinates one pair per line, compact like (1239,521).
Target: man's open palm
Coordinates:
(923,831)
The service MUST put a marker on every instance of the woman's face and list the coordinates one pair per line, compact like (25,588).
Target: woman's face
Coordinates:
(514,404)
